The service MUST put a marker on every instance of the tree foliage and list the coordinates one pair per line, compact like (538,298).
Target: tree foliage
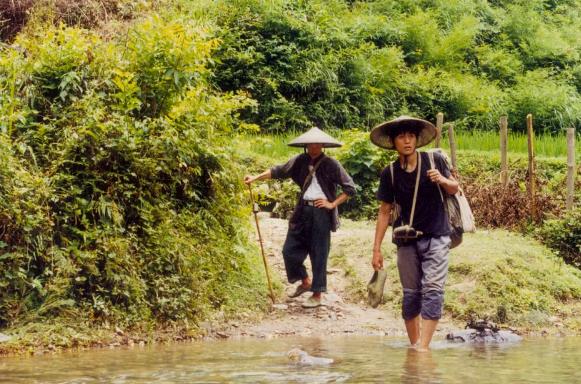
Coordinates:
(118,201)
(353,64)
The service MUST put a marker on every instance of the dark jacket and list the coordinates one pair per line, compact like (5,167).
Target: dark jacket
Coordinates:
(329,174)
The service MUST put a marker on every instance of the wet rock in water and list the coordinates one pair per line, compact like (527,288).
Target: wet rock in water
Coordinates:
(483,332)
(299,356)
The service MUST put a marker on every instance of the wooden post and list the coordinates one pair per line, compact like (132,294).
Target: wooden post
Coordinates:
(532,183)
(503,150)
(452,141)
(439,124)
(570,167)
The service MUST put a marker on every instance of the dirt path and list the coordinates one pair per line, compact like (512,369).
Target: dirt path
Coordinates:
(345,310)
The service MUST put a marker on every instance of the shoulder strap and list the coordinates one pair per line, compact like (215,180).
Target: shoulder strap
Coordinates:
(433,166)
(419,171)
(311,174)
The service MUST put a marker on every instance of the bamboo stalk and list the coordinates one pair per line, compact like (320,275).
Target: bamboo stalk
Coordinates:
(570,167)
(452,140)
(503,151)
(439,124)
(532,176)
(255,211)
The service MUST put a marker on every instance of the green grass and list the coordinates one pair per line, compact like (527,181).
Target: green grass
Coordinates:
(544,145)
(511,279)
(550,146)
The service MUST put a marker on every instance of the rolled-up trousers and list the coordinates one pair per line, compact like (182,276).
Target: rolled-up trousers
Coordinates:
(423,269)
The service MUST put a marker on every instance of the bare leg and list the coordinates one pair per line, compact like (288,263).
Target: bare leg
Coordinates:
(306,282)
(428,329)
(412,327)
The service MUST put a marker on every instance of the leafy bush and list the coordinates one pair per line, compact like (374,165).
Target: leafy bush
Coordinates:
(120,200)
(564,236)
(554,105)
(14,14)
(346,65)
(364,162)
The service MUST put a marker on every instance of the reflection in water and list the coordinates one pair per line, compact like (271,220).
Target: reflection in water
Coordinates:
(357,360)
(420,367)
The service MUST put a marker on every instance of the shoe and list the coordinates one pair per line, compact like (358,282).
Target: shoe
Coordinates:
(300,290)
(311,302)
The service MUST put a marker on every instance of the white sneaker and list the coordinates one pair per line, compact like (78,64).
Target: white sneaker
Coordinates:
(311,302)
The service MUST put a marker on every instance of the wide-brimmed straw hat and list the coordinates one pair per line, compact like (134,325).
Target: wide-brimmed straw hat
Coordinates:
(315,136)
(380,134)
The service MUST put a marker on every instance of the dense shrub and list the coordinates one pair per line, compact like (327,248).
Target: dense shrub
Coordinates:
(564,236)
(364,162)
(119,197)
(14,14)
(353,64)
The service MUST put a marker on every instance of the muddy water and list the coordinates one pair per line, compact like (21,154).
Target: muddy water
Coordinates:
(357,360)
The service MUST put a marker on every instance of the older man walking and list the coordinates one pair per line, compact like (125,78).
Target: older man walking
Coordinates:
(315,214)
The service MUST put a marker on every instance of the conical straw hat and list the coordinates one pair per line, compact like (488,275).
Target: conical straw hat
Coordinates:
(315,136)
(380,134)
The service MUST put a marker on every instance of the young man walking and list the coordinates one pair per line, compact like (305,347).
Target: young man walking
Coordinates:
(421,232)
(315,214)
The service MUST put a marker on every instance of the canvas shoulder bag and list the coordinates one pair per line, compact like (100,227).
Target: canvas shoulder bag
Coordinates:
(458,210)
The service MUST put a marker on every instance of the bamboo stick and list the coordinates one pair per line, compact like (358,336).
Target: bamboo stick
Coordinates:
(452,140)
(532,181)
(255,211)
(439,124)
(570,167)
(503,151)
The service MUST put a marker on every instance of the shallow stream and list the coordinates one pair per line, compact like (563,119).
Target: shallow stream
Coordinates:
(356,360)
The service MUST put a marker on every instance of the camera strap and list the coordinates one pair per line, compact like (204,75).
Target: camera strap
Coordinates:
(418,170)
(311,174)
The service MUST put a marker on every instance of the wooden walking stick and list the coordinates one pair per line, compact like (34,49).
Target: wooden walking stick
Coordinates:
(255,211)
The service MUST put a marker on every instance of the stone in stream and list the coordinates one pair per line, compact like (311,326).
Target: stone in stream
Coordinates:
(483,332)
(299,356)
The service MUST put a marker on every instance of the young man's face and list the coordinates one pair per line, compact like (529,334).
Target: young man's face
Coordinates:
(314,150)
(405,143)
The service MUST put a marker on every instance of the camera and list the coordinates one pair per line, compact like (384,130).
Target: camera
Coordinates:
(405,233)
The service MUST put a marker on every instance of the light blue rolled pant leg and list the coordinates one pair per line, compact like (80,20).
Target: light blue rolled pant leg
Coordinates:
(423,268)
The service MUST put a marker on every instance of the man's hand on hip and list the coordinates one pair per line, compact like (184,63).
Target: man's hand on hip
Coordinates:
(324,203)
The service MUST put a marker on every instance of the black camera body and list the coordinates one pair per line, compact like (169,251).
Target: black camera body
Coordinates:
(404,234)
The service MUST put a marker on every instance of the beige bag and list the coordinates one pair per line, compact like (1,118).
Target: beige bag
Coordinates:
(458,210)
(466,212)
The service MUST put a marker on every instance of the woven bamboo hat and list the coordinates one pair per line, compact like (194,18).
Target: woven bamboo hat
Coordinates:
(315,136)
(380,135)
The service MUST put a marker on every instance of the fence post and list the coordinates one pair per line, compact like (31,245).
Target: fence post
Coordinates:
(503,151)
(532,183)
(452,141)
(439,124)
(570,167)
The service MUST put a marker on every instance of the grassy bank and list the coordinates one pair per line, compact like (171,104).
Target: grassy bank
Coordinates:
(494,274)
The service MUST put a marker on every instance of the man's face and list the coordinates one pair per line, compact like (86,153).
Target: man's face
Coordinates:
(314,149)
(405,143)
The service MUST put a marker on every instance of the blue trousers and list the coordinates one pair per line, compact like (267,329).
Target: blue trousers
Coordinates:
(311,235)
(423,268)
